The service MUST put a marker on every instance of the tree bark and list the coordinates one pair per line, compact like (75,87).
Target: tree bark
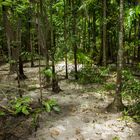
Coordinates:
(117,104)
(10,38)
(74,38)
(65,40)
(104,33)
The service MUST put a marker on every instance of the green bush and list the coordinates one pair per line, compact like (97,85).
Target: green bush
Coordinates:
(50,105)
(88,75)
(47,72)
(131,91)
(21,105)
(131,85)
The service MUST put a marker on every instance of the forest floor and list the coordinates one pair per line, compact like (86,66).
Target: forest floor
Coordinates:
(83,114)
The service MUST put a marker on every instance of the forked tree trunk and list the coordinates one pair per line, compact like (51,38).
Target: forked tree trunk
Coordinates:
(117,104)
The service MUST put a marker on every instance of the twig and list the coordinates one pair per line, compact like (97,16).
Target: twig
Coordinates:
(7,109)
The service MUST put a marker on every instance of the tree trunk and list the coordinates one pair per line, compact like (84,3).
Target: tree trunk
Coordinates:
(39,51)
(117,104)
(74,38)
(65,40)
(94,36)
(104,33)
(139,39)
(10,38)
(55,86)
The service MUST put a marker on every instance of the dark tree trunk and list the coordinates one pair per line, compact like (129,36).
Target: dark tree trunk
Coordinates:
(94,36)
(22,76)
(104,33)
(10,36)
(55,86)
(74,35)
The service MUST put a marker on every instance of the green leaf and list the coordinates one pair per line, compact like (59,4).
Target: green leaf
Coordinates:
(56,108)
(48,108)
(18,110)
(18,104)
(7,3)
(47,72)
(2,113)
(25,111)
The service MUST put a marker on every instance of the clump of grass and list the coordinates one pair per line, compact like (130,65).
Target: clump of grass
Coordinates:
(109,86)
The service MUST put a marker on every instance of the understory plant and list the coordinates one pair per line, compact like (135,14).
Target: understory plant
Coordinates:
(21,105)
(131,86)
(51,104)
(87,75)
(131,92)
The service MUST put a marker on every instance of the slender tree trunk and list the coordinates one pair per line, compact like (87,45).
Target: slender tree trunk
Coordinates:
(94,36)
(104,33)
(45,35)
(89,35)
(139,39)
(65,40)
(74,37)
(39,51)
(10,37)
(32,50)
(20,73)
(117,104)
(55,86)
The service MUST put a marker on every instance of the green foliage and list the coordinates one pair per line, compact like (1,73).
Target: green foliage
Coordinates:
(110,86)
(134,111)
(126,116)
(21,105)
(12,61)
(131,85)
(50,105)
(35,117)
(7,3)
(2,113)
(19,6)
(89,75)
(131,92)
(83,58)
(47,72)
(116,138)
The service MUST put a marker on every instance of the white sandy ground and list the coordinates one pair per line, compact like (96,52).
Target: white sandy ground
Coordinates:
(82,116)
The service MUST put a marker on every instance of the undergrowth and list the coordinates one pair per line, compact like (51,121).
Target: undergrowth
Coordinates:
(88,75)
(131,93)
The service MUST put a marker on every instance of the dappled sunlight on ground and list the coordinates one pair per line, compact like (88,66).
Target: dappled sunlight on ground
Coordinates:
(83,113)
